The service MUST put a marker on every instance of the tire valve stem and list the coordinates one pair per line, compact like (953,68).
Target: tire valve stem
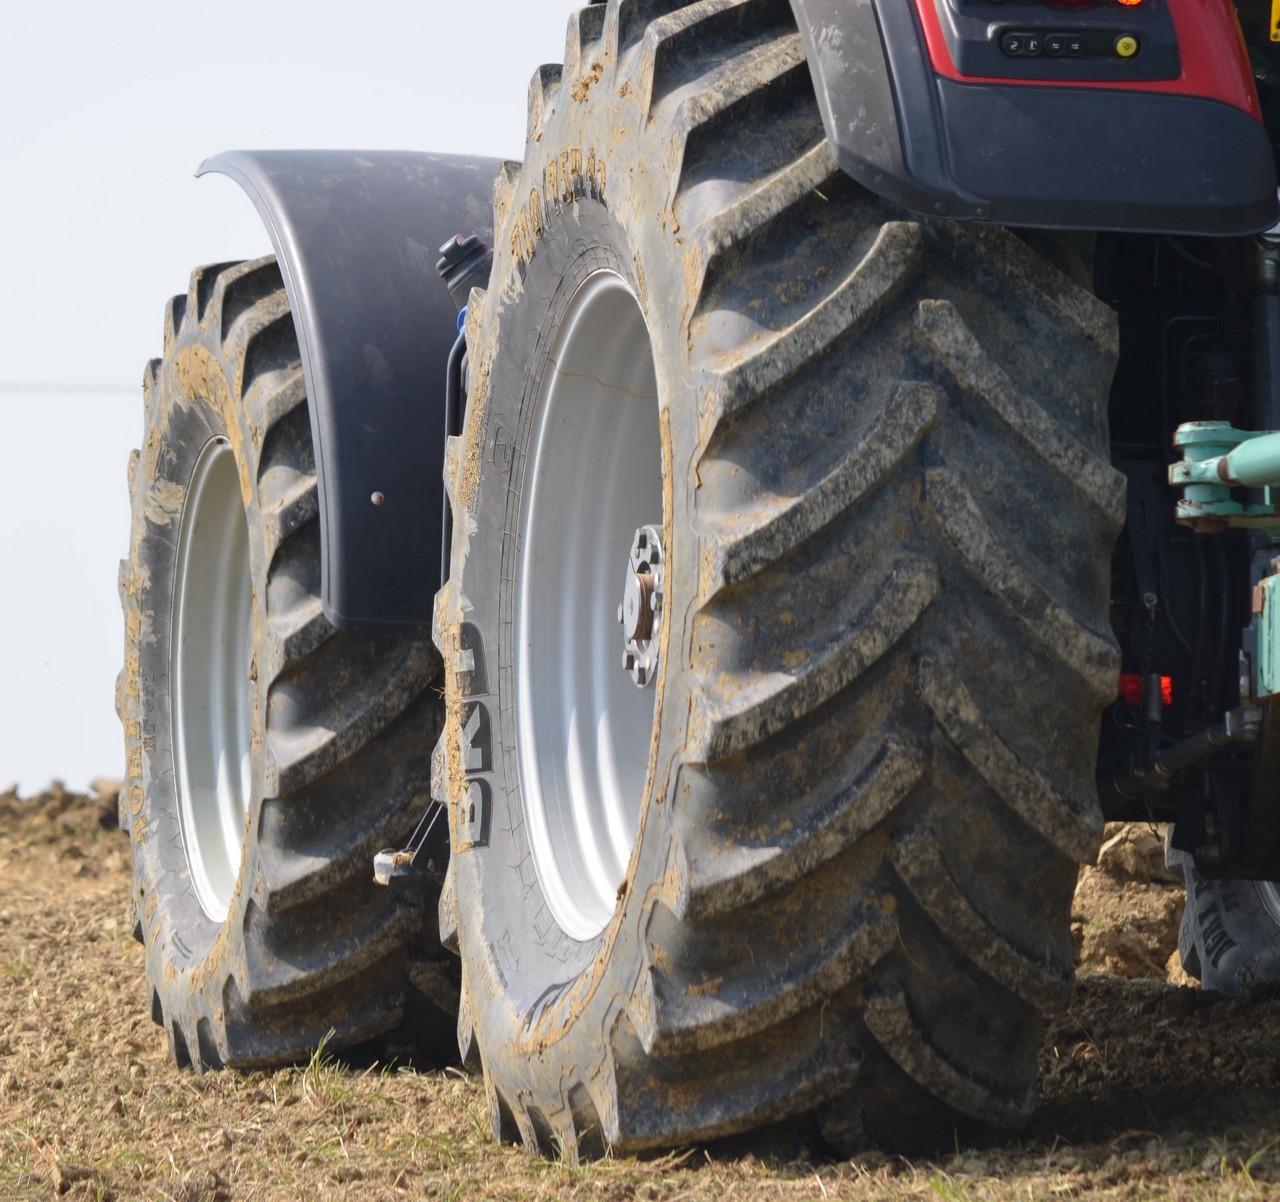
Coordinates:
(640,614)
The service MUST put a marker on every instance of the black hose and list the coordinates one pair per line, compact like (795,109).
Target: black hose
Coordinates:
(1166,609)
(1166,347)
(1185,255)
(1202,605)
(1224,626)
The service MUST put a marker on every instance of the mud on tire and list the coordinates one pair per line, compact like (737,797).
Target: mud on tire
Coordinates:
(264,931)
(887,513)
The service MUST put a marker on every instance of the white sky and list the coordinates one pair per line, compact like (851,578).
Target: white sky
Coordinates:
(106,109)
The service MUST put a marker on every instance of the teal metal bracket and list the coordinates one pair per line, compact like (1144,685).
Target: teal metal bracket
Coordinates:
(1216,457)
(1266,604)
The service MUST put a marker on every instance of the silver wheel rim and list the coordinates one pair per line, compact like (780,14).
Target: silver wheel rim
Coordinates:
(210,662)
(583,728)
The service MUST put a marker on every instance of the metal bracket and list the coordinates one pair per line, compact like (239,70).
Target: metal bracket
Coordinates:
(1266,608)
(390,864)
(1237,726)
(1216,457)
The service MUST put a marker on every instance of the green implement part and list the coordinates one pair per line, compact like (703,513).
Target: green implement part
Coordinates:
(1267,673)
(1216,458)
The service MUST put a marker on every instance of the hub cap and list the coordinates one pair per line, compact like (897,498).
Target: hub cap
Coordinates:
(640,613)
(212,694)
(583,728)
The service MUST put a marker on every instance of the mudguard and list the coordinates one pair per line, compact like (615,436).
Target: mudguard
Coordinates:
(1138,117)
(357,235)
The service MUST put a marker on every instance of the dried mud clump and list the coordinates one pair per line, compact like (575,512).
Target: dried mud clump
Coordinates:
(1127,908)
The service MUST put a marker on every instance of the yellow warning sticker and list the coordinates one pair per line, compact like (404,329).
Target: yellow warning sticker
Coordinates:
(1275,20)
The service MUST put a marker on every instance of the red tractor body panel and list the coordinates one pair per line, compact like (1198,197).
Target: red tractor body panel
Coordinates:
(1091,115)
(1214,61)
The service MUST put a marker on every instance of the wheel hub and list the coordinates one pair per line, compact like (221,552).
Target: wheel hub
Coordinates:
(640,613)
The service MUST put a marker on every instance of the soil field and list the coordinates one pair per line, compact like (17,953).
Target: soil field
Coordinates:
(1149,1088)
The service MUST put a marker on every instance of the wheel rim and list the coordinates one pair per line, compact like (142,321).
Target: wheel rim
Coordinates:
(211,655)
(583,727)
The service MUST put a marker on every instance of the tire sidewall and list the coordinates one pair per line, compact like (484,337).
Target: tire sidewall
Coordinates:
(544,988)
(190,406)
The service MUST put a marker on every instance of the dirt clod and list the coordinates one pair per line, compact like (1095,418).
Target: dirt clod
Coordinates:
(1149,1089)
(1128,907)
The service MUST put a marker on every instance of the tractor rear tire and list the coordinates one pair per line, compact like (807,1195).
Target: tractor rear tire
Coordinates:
(269,756)
(824,865)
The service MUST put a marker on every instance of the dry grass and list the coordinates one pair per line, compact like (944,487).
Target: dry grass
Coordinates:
(1149,1091)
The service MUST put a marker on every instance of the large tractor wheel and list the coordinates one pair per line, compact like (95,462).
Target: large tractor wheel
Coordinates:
(269,756)
(776,637)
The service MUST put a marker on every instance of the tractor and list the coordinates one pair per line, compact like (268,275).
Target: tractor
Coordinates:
(665,620)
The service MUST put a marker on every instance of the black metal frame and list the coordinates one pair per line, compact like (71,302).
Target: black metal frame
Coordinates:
(1192,315)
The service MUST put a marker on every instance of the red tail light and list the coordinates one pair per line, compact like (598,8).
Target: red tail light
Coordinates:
(1131,689)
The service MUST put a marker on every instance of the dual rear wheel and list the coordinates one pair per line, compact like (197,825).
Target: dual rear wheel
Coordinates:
(773,647)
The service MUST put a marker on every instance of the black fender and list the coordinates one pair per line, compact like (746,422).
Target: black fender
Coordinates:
(924,105)
(357,234)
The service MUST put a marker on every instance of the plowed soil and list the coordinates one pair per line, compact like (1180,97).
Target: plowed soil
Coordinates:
(1150,1088)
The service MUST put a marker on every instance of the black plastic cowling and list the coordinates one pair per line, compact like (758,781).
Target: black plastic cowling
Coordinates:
(1086,157)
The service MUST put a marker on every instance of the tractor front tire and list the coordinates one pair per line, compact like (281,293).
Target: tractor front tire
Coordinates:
(822,862)
(269,755)
(1229,937)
